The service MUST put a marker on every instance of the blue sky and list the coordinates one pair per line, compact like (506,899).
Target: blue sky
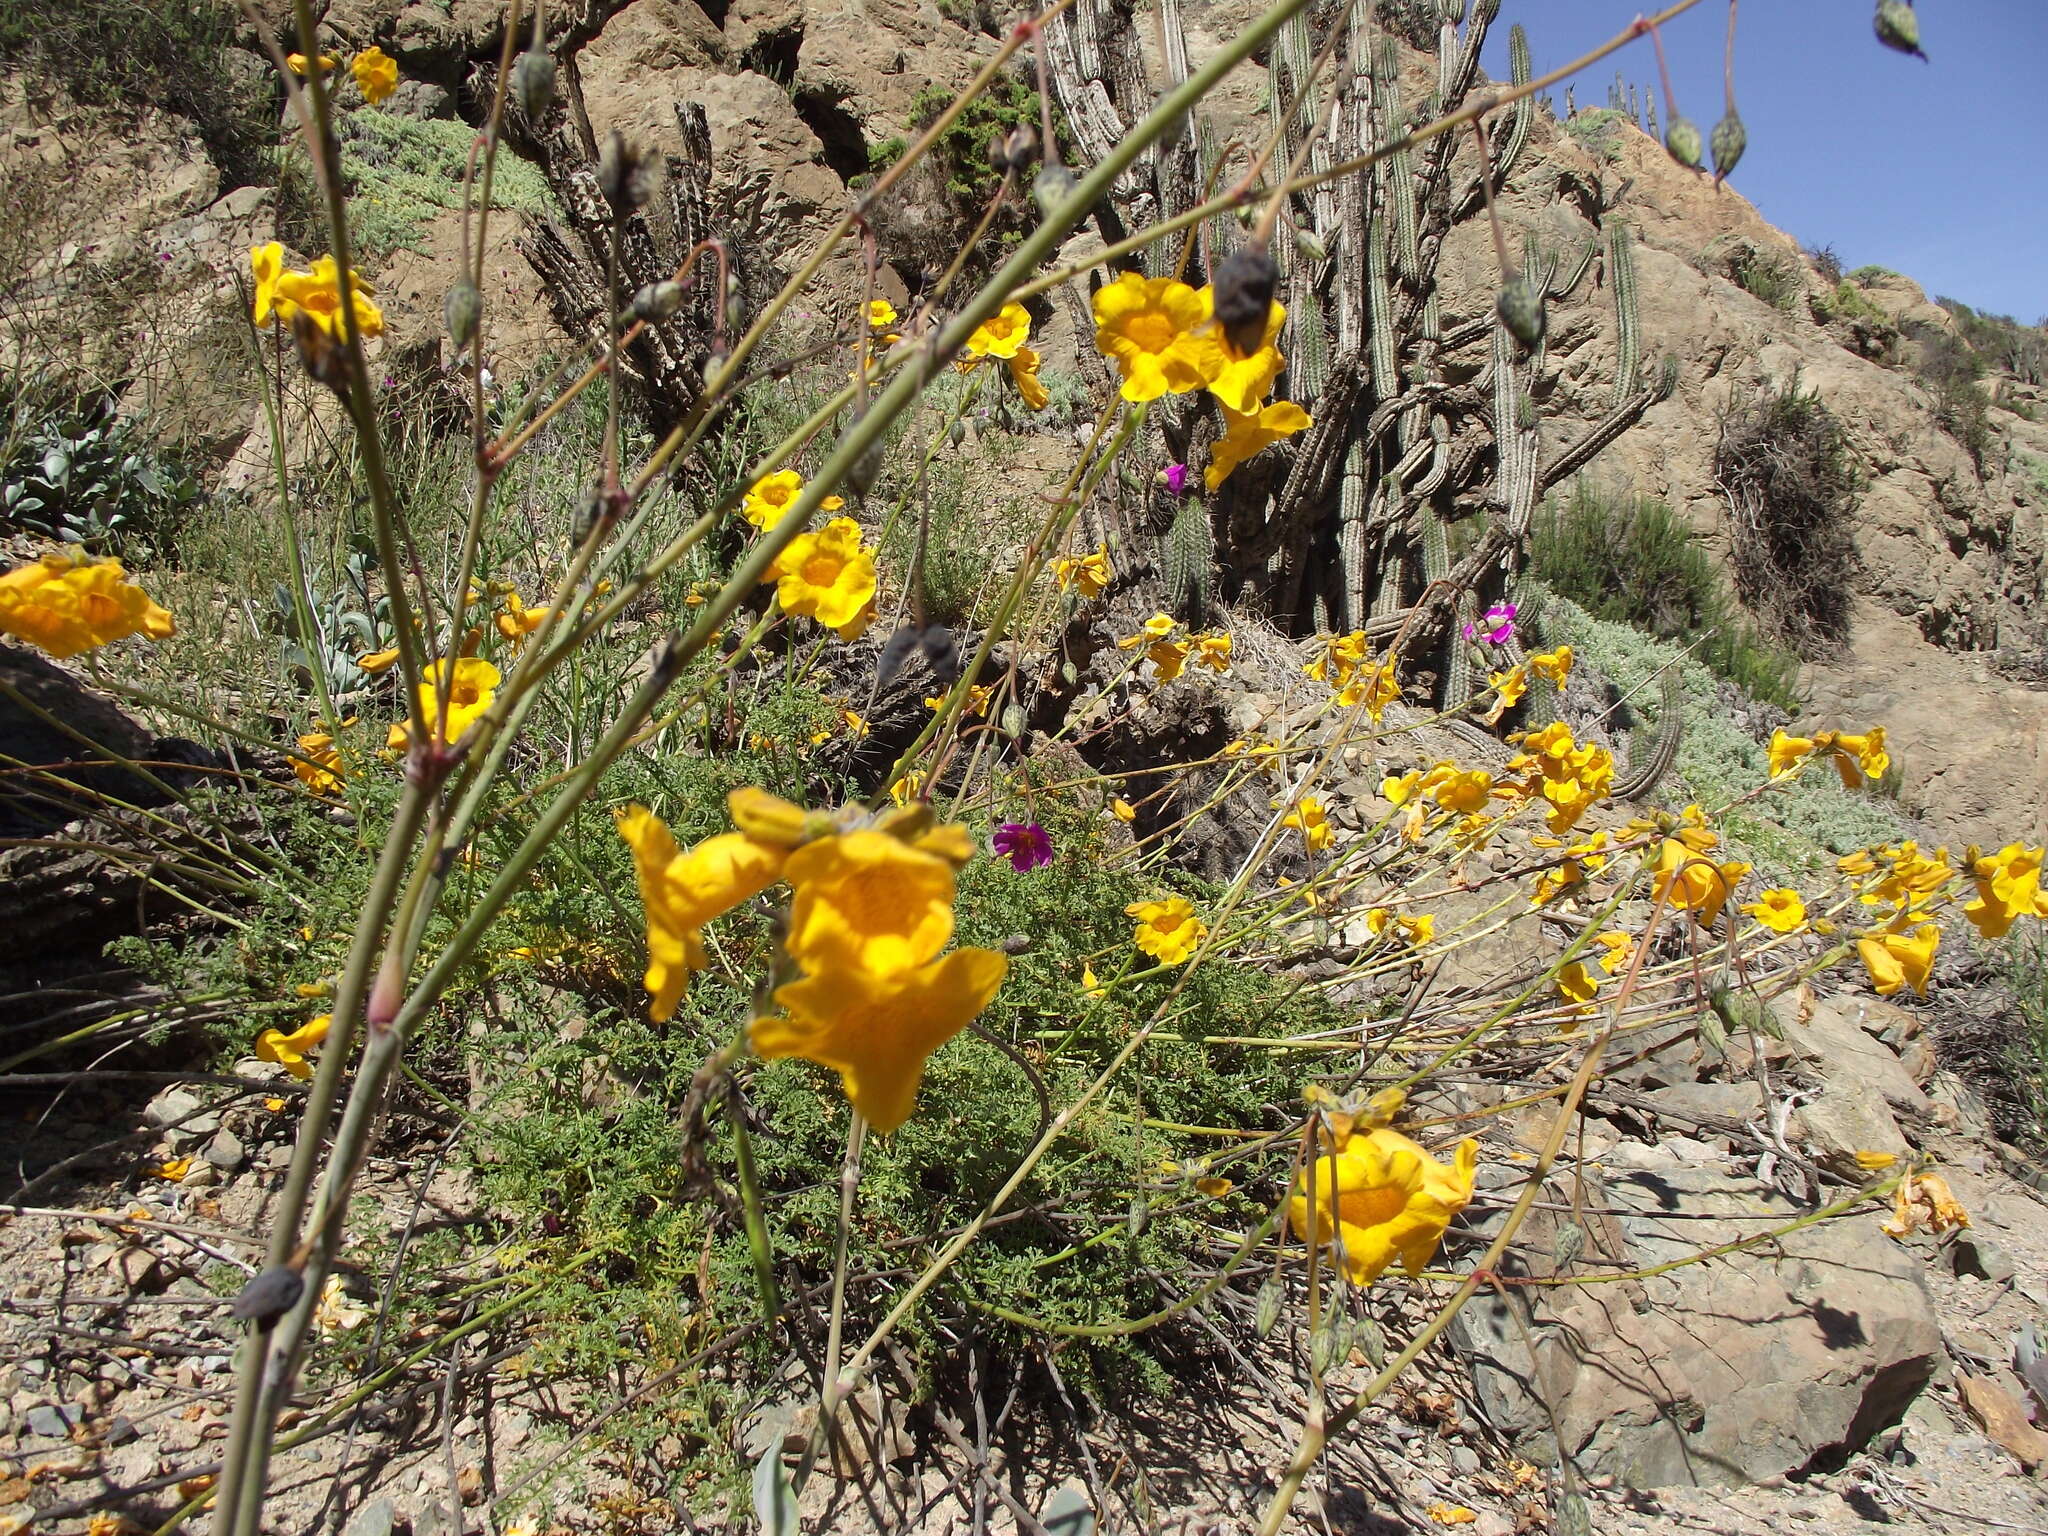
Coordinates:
(1937,170)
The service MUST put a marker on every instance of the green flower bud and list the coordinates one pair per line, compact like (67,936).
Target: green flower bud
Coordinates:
(657,301)
(1054,184)
(533,83)
(1520,307)
(1682,139)
(1729,141)
(461,311)
(1014,722)
(1270,1297)
(1898,26)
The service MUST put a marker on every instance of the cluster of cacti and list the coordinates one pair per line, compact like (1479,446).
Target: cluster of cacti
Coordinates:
(1348,525)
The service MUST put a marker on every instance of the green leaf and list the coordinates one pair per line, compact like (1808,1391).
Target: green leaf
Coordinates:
(1068,1512)
(774,1499)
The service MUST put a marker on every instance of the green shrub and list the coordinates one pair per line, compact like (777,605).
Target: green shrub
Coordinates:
(2002,343)
(1633,560)
(1785,465)
(1868,274)
(71,469)
(1950,368)
(1773,275)
(1597,130)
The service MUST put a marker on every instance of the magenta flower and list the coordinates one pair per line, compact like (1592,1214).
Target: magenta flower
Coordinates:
(1496,626)
(1024,844)
(1177,479)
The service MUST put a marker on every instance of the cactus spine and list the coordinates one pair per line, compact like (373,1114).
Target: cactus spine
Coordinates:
(1621,274)
(1642,777)
(1524,110)
(1190,551)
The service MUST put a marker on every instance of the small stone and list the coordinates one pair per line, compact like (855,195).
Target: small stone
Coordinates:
(1980,1256)
(226,1151)
(1465,1459)
(53,1419)
(373,1519)
(170,1106)
(201,1175)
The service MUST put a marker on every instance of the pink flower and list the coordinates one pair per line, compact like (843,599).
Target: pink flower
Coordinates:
(1024,843)
(1496,626)
(1177,479)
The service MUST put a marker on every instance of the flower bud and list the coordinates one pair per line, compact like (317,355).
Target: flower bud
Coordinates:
(1244,297)
(956,434)
(1013,721)
(1729,141)
(1013,151)
(1898,26)
(1054,185)
(657,301)
(1520,307)
(1682,140)
(1270,1297)
(533,83)
(621,175)
(1140,1217)
(1366,1336)
(461,311)
(1308,247)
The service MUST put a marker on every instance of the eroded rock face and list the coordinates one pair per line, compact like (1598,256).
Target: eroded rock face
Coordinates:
(1763,1363)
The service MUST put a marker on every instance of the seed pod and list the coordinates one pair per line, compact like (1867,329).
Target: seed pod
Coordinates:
(1682,141)
(1013,721)
(860,479)
(1322,1349)
(1268,1314)
(1070,674)
(621,175)
(1140,1217)
(1013,151)
(1729,140)
(657,301)
(1520,307)
(956,434)
(1898,26)
(1308,247)
(269,1295)
(590,511)
(461,311)
(533,83)
(1054,185)
(1366,1336)
(1244,297)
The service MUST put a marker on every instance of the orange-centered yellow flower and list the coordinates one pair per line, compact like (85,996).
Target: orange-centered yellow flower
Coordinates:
(828,575)
(1390,1200)
(769,497)
(881,314)
(69,603)
(1780,910)
(472,687)
(1001,334)
(877,1031)
(1167,930)
(317,292)
(376,74)
(870,902)
(317,763)
(1148,326)
(289,1050)
(1246,433)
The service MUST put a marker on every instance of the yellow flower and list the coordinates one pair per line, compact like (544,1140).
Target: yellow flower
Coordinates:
(1391,1199)
(1924,1200)
(1168,657)
(1374,687)
(1246,433)
(1213,652)
(67,604)
(1619,947)
(518,621)
(289,1050)
(1781,910)
(2008,886)
(769,497)
(1576,984)
(1148,325)
(317,763)
(1896,960)
(334,1312)
(1091,984)
(881,314)
(1090,575)
(828,575)
(1024,374)
(1875,1162)
(376,74)
(1123,810)
(1156,628)
(1858,758)
(906,790)
(1313,822)
(1553,666)
(1569,776)
(1415,931)
(318,293)
(1466,791)
(1239,381)
(1508,688)
(1399,789)
(1001,334)
(681,892)
(1451,1514)
(1688,880)
(266,265)
(1167,930)
(296,62)
(868,902)
(1787,752)
(875,1030)
(474,685)
(173,1168)
(377,661)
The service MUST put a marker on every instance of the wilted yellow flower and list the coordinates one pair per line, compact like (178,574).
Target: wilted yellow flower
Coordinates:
(289,1050)
(1090,575)
(2008,886)
(1024,375)
(1168,930)
(1553,666)
(1875,1162)
(1896,960)
(1123,810)
(1168,657)
(1001,334)
(1213,652)
(297,63)
(1619,946)
(1313,822)
(374,662)
(1148,326)
(1925,1200)
(334,1312)
(1508,688)
(66,604)
(1781,910)
(771,496)
(173,1168)
(376,74)
(828,575)
(1391,1200)
(1248,433)
(877,1031)
(317,763)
